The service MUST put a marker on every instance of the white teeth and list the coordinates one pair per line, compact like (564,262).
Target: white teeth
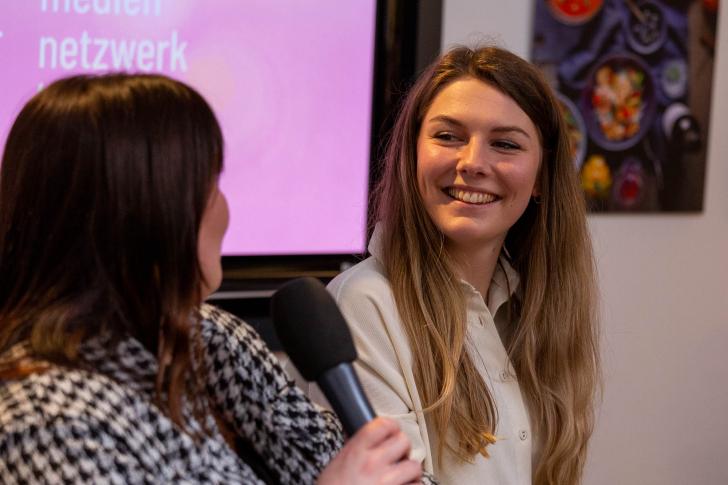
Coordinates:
(471,197)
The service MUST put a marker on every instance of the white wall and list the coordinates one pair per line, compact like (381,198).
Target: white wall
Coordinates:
(664,286)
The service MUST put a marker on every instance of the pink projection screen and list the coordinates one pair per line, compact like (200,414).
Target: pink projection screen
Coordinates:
(290,81)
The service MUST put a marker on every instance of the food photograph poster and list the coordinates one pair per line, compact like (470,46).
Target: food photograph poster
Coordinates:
(634,82)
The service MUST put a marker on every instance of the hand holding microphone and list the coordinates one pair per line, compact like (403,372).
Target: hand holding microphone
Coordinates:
(316,337)
(375,454)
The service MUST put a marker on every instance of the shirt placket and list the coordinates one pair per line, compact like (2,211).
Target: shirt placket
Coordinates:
(501,378)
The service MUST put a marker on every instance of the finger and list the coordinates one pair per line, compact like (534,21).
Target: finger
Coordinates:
(394,448)
(407,471)
(375,432)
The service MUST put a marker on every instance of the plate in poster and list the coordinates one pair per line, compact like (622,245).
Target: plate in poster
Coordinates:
(574,12)
(618,103)
(576,127)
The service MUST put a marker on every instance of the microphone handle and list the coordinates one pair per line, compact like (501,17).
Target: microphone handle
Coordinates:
(342,388)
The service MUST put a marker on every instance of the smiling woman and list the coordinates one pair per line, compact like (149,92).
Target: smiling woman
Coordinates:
(478,155)
(474,316)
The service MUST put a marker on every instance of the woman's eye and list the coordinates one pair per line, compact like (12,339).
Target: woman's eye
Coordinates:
(506,145)
(446,136)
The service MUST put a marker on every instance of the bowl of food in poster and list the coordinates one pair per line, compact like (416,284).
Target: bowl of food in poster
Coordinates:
(646,27)
(574,12)
(618,102)
(576,128)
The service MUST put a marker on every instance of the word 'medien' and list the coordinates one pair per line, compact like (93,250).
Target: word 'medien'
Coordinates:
(102,54)
(104,7)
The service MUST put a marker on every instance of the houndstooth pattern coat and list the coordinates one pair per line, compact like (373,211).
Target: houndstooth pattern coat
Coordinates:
(101,426)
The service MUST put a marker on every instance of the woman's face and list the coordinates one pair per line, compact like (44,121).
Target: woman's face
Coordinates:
(209,241)
(478,158)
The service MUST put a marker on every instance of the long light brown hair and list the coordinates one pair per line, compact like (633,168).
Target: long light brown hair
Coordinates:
(554,345)
(103,184)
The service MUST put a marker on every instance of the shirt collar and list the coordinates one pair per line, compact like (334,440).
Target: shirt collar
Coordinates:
(375,242)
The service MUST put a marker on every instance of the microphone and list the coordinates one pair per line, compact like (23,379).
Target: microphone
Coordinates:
(316,337)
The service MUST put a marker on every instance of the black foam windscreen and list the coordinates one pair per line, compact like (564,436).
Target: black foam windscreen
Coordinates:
(311,328)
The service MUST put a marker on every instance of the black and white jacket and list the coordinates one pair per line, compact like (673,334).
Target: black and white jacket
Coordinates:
(102,426)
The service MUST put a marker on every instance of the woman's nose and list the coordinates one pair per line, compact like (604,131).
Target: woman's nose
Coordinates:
(475,159)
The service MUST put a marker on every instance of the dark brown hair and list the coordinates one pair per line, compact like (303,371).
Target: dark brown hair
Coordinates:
(103,184)
(554,346)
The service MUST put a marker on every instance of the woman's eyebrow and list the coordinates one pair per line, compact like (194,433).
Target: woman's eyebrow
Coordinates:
(446,119)
(496,129)
(511,128)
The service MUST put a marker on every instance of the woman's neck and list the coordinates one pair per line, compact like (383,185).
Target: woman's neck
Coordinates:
(476,265)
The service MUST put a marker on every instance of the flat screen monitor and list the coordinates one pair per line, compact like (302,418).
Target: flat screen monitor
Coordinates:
(290,82)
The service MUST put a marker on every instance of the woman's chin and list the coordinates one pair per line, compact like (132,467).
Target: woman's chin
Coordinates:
(472,234)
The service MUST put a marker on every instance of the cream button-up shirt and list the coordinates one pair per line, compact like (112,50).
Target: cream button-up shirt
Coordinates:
(385,367)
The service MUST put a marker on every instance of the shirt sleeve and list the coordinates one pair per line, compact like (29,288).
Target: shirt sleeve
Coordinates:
(258,399)
(384,363)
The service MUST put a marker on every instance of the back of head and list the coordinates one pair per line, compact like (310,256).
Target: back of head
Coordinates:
(103,183)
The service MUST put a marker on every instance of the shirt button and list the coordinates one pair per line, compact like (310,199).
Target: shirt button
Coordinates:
(505,376)
(523,435)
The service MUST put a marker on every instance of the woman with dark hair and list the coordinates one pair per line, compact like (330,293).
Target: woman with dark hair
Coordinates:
(111,222)
(474,317)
